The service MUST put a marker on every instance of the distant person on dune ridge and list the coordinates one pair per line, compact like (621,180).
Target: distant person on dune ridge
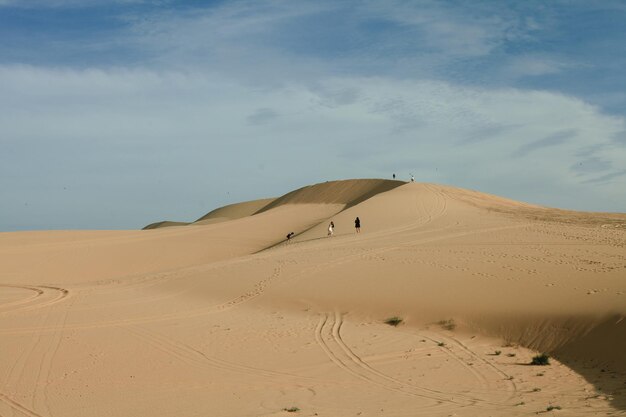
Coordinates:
(331,228)
(357,225)
(290,235)
(412,178)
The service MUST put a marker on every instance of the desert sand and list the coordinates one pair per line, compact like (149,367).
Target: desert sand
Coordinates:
(224,317)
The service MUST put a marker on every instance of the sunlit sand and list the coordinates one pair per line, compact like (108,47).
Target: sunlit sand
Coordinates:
(225,317)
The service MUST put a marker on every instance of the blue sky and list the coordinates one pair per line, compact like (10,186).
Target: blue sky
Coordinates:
(115,114)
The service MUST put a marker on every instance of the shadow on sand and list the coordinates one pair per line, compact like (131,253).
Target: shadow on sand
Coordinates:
(609,384)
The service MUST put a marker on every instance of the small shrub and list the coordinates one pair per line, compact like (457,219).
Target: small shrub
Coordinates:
(447,324)
(440,344)
(497,353)
(291,409)
(553,407)
(536,389)
(541,360)
(522,403)
(510,355)
(393,321)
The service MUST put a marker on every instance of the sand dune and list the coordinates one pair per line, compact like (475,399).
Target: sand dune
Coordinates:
(229,212)
(234,211)
(346,193)
(227,318)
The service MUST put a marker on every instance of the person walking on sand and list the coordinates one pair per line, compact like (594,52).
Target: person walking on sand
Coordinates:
(357,225)
(331,228)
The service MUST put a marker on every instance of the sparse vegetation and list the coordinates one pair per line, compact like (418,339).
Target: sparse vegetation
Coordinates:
(553,407)
(522,403)
(393,321)
(291,409)
(541,360)
(536,389)
(447,324)
(497,353)
(510,355)
(441,344)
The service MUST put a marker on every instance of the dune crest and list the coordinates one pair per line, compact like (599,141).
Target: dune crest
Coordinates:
(345,192)
(234,211)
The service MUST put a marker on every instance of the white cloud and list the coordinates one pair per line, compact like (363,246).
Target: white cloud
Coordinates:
(534,65)
(275,40)
(457,31)
(151,140)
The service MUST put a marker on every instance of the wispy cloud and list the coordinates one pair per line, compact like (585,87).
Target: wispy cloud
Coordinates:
(486,132)
(534,65)
(603,179)
(619,138)
(261,116)
(147,104)
(552,140)
(592,165)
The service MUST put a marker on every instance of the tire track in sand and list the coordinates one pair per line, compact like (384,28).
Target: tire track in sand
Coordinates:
(348,360)
(258,289)
(18,373)
(17,407)
(328,337)
(195,357)
(36,290)
(51,295)
(511,385)
(32,367)
(47,361)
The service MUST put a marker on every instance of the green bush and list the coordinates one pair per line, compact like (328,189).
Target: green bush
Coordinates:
(393,321)
(541,360)
(447,324)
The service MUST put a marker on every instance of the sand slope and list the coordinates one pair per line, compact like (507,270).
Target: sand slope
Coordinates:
(229,212)
(229,319)
(346,193)
(234,211)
